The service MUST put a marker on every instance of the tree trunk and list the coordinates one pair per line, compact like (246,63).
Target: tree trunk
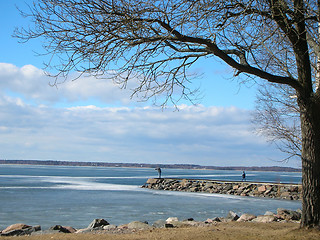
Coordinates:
(310,129)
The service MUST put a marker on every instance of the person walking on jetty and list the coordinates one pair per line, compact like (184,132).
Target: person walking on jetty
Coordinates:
(243,176)
(159,171)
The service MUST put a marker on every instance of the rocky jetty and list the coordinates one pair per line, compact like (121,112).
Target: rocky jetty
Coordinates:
(270,190)
(101,226)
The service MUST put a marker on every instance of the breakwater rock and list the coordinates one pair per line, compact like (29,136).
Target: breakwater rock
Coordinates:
(270,190)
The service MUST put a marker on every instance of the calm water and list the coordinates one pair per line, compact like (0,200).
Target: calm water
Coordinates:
(74,196)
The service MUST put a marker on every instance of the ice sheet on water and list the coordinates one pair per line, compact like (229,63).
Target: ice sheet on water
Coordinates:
(71,183)
(80,183)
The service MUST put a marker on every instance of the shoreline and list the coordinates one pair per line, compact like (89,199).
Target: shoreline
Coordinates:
(225,231)
(102,226)
(147,165)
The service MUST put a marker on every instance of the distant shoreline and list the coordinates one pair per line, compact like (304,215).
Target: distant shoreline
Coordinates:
(146,165)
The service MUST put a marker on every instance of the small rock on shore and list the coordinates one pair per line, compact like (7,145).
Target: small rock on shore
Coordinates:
(103,226)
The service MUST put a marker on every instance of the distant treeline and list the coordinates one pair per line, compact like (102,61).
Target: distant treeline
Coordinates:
(145,165)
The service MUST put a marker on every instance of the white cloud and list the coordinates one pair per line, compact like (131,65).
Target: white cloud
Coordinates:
(210,137)
(33,84)
(194,134)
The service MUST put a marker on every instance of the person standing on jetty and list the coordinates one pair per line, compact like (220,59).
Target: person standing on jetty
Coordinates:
(159,171)
(243,176)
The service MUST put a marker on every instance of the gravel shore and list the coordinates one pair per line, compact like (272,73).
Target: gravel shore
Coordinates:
(102,226)
(225,231)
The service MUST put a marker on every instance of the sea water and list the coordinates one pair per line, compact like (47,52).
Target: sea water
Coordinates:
(74,196)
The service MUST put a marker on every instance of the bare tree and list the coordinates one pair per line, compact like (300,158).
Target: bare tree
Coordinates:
(276,114)
(154,42)
(277,117)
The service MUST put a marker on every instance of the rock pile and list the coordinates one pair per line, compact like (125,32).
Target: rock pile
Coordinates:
(19,229)
(281,215)
(102,226)
(270,190)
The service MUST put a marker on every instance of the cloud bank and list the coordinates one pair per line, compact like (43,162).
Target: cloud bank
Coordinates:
(194,134)
(33,84)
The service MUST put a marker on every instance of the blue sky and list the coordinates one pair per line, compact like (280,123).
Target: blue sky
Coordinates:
(94,120)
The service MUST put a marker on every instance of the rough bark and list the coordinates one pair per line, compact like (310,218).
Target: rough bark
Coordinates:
(310,126)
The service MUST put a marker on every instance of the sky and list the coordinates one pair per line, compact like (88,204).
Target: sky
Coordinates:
(94,120)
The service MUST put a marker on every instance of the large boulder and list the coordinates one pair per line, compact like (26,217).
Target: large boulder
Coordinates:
(184,183)
(286,195)
(159,224)
(152,181)
(138,225)
(59,228)
(97,223)
(269,213)
(17,232)
(84,230)
(288,215)
(17,226)
(246,217)
(208,185)
(235,187)
(172,219)
(232,216)
(110,227)
(70,229)
(265,219)
(262,189)
(19,229)
(209,220)
(216,219)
